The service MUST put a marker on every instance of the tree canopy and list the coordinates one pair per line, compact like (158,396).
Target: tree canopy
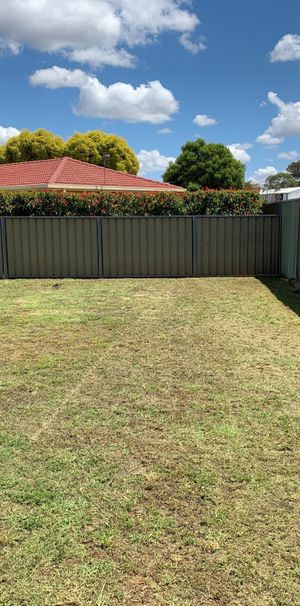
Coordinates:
(206,165)
(95,147)
(294,170)
(100,148)
(2,148)
(38,145)
(281,180)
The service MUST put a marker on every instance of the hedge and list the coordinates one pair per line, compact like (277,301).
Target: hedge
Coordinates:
(203,202)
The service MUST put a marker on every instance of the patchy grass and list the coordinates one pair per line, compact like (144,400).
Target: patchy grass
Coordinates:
(149,444)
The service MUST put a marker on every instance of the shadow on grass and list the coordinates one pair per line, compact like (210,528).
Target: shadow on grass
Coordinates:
(284,293)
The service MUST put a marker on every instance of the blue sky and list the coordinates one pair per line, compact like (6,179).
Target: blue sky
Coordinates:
(233,64)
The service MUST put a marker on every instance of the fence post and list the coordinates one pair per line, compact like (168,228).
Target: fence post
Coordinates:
(194,246)
(4,247)
(100,247)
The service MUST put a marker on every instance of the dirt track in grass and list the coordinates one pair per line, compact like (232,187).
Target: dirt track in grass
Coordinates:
(149,443)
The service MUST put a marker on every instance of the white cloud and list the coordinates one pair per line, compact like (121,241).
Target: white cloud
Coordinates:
(204,120)
(239,151)
(153,162)
(290,155)
(97,57)
(149,102)
(285,124)
(267,139)
(6,132)
(261,174)
(95,31)
(165,131)
(287,49)
(188,44)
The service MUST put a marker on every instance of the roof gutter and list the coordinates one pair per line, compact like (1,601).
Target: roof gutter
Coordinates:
(95,188)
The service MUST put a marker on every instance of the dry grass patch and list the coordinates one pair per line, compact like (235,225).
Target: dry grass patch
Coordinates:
(149,444)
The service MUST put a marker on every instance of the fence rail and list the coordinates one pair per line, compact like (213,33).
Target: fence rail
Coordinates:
(91,247)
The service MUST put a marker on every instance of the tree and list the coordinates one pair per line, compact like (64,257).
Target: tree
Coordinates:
(100,148)
(294,170)
(280,180)
(89,147)
(207,165)
(120,155)
(2,157)
(251,185)
(38,145)
(82,147)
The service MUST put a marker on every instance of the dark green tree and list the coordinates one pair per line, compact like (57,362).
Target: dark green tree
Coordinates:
(280,180)
(206,165)
(294,170)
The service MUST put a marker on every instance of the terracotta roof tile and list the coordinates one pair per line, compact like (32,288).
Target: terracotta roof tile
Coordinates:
(70,172)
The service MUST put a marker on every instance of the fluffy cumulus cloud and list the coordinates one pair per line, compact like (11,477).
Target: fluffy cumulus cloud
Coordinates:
(285,124)
(149,102)
(261,174)
(287,49)
(153,162)
(204,120)
(240,151)
(97,32)
(6,132)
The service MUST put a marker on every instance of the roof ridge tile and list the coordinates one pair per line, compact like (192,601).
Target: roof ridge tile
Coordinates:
(61,165)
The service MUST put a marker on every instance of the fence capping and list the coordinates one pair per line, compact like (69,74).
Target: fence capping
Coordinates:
(134,216)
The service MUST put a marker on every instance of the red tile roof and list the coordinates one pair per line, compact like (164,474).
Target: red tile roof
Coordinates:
(67,173)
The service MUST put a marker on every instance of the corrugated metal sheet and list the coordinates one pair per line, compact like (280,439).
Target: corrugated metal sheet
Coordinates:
(290,225)
(139,246)
(1,248)
(237,246)
(298,259)
(147,246)
(52,247)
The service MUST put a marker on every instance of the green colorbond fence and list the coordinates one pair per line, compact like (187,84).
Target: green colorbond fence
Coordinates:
(290,241)
(91,247)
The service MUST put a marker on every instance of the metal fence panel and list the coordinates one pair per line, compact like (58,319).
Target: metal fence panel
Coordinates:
(290,225)
(139,246)
(52,247)
(237,246)
(298,256)
(147,246)
(1,248)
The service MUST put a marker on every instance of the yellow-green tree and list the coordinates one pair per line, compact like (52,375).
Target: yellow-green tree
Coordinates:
(80,147)
(37,145)
(119,154)
(100,148)
(95,147)
(2,157)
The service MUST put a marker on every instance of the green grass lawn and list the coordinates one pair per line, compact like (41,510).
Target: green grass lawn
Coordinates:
(149,443)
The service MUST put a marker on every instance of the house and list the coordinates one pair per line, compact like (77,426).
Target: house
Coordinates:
(67,174)
(272,196)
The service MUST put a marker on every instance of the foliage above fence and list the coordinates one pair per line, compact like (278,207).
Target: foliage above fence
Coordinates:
(204,202)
